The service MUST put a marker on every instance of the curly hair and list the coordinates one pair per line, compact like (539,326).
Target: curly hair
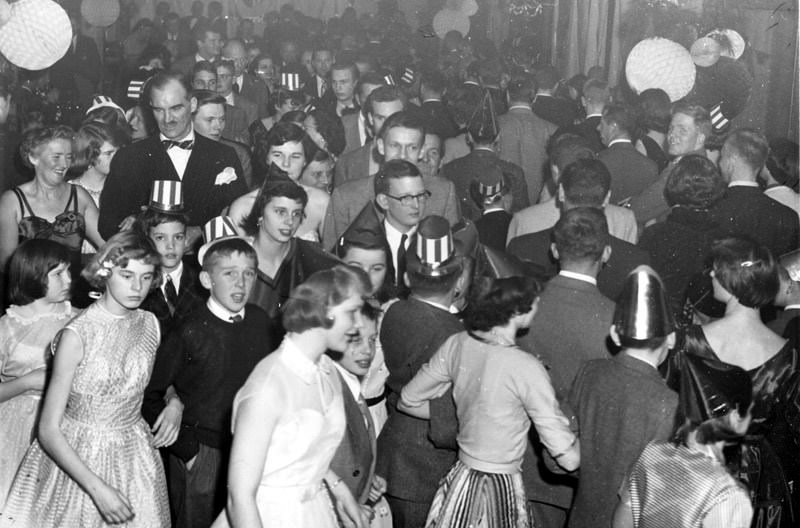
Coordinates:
(493,302)
(36,138)
(695,182)
(117,252)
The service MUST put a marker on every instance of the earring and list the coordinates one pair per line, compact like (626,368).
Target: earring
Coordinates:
(330,319)
(258,223)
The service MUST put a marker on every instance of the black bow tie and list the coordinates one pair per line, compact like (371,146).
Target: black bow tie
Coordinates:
(185,145)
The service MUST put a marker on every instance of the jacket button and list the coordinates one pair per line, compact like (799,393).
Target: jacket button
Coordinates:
(356,472)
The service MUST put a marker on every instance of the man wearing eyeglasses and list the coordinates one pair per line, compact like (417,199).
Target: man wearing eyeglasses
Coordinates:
(402,137)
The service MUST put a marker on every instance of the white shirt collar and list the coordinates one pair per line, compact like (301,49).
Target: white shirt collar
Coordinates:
(791,307)
(594,115)
(743,183)
(189,136)
(620,140)
(432,99)
(229,99)
(393,235)
(220,311)
(350,380)
(521,107)
(578,276)
(198,58)
(492,209)
(239,80)
(175,275)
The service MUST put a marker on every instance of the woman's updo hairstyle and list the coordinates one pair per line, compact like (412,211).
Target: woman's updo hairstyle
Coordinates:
(493,302)
(118,251)
(308,304)
(746,270)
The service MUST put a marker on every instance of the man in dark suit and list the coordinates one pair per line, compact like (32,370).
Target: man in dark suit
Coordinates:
(547,105)
(196,16)
(173,31)
(431,90)
(318,88)
(210,172)
(631,171)
(415,454)
(482,136)
(524,135)
(570,328)
(594,100)
(745,209)
(623,403)
(225,76)
(357,131)
(209,44)
(490,193)
(209,120)
(344,78)
(244,83)
(363,161)
(77,73)
(585,183)
(402,139)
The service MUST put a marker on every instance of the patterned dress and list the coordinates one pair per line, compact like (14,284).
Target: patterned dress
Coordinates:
(103,424)
(675,487)
(24,347)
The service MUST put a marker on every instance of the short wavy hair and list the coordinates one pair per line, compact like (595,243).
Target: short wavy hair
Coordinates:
(88,141)
(654,110)
(493,302)
(118,251)
(695,182)
(35,138)
(745,269)
(308,303)
(28,268)
(581,234)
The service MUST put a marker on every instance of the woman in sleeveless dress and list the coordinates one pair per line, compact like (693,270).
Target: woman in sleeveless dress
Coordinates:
(40,280)
(94,463)
(288,418)
(745,278)
(47,206)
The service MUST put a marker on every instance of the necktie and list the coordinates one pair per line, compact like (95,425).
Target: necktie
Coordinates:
(362,406)
(323,87)
(401,260)
(170,293)
(236,318)
(236,87)
(185,145)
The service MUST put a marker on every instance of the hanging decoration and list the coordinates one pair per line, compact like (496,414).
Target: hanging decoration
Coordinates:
(36,33)
(525,8)
(660,63)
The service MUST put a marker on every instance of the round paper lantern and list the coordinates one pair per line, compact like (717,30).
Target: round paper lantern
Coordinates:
(660,63)
(705,52)
(37,34)
(100,13)
(449,20)
(737,43)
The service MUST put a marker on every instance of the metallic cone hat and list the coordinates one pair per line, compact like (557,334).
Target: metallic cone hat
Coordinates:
(482,125)
(791,263)
(642,312)
(711,389)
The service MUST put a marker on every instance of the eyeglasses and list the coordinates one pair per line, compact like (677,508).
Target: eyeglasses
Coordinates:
(411,199)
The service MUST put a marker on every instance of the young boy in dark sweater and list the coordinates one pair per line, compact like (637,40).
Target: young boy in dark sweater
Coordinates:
(207,359)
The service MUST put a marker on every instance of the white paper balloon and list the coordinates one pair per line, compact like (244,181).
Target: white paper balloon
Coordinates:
(448,20)
(661,63)
(37,34)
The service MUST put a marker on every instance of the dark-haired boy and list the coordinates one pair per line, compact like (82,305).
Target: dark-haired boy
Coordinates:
(206,360)
(164,223)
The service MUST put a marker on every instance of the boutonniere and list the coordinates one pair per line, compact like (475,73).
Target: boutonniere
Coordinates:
(225,177)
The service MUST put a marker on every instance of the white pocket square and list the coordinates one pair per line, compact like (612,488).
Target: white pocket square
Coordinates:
(225,177)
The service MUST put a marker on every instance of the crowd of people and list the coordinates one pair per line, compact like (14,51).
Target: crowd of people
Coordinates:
(351,275)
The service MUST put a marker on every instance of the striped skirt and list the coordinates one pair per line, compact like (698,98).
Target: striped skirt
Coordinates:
(468,498)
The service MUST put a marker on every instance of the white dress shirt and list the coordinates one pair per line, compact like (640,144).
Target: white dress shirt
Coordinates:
(179,156)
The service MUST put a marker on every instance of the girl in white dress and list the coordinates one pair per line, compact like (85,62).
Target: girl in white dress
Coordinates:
(288,418)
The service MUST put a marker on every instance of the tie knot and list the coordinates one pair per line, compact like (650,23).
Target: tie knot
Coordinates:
(236,318)
(186,145)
